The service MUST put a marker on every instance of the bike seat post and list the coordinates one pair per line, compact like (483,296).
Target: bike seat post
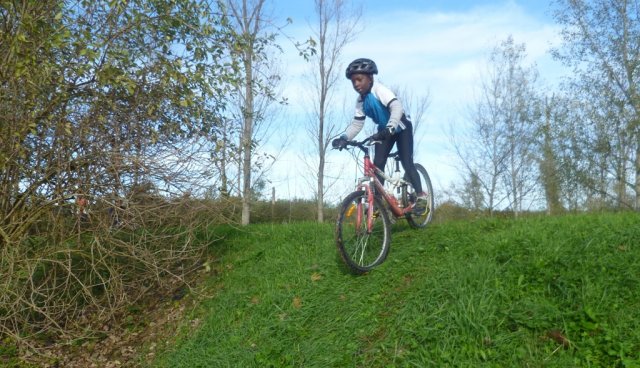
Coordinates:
(397,173)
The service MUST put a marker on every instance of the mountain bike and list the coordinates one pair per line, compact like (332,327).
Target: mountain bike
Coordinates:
(363,227)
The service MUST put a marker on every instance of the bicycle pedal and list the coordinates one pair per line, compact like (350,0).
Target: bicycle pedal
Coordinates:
(421,212)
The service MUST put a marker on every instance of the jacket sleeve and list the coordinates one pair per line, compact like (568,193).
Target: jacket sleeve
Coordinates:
(395,115)
(357,123)
(354,128)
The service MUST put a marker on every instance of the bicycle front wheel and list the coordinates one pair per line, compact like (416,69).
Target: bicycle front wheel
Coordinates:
(409,196)
(360,245)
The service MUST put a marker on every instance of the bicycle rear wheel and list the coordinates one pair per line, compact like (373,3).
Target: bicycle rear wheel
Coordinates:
(362,249)
(409,196)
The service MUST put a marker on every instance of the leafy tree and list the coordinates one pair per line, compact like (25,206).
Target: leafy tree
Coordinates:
(110,105)
(472,194)
(602,45)
(549,175)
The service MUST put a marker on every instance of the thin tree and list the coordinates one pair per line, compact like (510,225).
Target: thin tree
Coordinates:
(517,103)
(336,26)
(498,150)
(549,173)
(250,43)
(481,155)
(415,106)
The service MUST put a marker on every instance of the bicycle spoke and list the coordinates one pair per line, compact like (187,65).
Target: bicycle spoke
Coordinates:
(360,248)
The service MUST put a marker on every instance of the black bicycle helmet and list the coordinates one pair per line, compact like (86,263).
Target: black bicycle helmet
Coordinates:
(362,65)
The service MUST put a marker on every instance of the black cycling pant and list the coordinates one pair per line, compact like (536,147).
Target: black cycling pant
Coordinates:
(404,141)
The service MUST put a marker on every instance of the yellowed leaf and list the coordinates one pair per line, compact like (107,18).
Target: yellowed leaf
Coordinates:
(316,276)
(297,302)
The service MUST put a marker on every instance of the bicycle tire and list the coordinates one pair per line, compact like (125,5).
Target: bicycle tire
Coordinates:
(362,251)
(409,195)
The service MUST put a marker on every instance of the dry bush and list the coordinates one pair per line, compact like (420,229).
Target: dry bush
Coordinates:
(116,118)
(56,289)
(67,273)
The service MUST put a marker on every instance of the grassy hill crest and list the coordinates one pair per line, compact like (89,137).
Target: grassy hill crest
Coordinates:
(539,291)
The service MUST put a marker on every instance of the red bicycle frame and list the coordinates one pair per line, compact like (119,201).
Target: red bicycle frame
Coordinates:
(371,171)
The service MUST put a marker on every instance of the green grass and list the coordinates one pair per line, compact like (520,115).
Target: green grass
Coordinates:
(534,292)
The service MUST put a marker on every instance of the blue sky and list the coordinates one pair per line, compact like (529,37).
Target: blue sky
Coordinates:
(300,9)
(437,47)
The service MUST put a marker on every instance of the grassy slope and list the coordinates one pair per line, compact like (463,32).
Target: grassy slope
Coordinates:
(538,292)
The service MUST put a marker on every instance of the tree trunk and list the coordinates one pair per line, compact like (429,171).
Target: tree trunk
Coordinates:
(335,29)
(321,147)
(320,202)
(637,187)
(246,141)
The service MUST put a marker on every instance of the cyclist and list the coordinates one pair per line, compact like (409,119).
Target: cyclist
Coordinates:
(383,107)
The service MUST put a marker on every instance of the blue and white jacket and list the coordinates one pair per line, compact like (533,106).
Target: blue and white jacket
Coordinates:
(382,106)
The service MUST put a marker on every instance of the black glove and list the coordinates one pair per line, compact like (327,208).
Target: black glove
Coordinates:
(382,135)
(339,143)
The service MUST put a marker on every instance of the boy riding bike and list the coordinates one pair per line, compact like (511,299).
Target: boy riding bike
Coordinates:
(383,107)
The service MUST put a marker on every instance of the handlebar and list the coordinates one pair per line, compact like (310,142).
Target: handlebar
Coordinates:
(359,143)
(362,144)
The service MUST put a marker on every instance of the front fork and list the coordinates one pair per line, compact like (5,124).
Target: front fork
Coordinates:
(366,184)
